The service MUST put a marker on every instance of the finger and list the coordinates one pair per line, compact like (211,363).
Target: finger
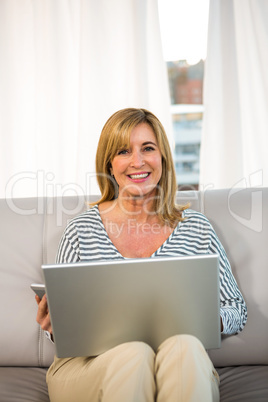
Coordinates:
(42,308)
(45,324)
(43,317)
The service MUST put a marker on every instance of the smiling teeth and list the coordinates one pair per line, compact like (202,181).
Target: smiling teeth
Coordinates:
(138,176)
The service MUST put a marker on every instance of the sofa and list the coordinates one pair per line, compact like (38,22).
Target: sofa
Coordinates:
(30,232)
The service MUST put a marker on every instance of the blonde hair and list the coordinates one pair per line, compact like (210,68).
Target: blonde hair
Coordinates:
(115,135)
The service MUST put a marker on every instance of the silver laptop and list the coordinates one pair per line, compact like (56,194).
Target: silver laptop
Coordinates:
(95,306)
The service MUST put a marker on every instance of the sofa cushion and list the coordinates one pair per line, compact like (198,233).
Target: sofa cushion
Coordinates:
(23,384)
(244,384)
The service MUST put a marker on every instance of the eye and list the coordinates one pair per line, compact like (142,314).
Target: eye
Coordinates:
(149,148)
(123,152)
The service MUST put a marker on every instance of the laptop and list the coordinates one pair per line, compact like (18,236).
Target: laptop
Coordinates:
(95,306)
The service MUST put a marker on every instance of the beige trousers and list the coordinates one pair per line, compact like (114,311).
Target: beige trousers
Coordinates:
(180,371)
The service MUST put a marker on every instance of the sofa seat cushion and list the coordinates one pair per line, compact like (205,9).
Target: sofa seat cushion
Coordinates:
(244,384)
(23,384)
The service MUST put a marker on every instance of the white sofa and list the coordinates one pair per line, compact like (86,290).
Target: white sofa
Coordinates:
(30,233)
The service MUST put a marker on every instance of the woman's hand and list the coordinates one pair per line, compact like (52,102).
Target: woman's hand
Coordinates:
(43,317)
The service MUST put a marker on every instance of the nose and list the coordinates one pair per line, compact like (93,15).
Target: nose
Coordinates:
(137,159)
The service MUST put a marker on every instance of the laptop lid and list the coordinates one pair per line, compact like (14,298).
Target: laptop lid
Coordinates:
(95,306)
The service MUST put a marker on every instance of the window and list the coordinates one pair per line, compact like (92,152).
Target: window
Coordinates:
(184,35)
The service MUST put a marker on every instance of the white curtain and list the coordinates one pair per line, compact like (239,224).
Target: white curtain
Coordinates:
(234,146)
(66,66)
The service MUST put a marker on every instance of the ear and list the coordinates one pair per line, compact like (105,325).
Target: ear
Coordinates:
(111,171)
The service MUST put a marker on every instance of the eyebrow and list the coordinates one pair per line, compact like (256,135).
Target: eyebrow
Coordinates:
(149,142)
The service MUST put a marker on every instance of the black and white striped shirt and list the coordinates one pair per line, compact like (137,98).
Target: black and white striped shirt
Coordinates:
(85,238)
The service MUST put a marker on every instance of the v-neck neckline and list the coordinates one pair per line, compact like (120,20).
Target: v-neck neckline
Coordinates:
(154,254)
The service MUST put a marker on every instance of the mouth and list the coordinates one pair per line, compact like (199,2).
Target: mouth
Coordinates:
(138,176)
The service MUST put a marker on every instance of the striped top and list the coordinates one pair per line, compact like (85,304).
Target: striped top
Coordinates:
(85,238)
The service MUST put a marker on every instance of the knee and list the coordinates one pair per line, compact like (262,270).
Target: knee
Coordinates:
(181,343)
(139,351)
(132,359)
(189,341)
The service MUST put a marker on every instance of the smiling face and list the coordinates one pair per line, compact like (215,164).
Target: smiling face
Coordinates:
(138,168)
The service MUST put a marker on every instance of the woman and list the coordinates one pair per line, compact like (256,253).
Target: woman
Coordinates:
(138,186)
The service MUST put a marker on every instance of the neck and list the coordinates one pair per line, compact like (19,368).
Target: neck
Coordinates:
(139,208)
